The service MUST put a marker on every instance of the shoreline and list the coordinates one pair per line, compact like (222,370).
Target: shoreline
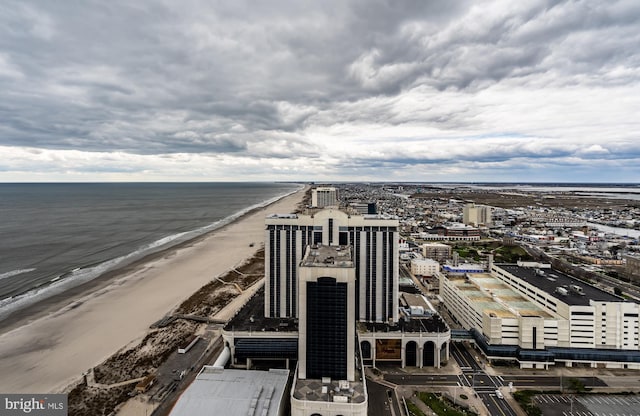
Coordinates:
(45,347)
(64,299)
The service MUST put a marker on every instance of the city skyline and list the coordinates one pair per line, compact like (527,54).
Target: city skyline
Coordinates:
(339,91)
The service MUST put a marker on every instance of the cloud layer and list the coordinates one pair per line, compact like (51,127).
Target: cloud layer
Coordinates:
(335,90)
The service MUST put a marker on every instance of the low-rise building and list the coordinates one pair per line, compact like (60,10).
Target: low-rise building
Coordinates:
(424,267)
(436,251)
(238,392)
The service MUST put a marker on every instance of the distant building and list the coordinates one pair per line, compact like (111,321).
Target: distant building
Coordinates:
(436,251)
(364,208)
(424,267)
(476,215)
(463,268)
(324,197)
(632,268)
(454,232)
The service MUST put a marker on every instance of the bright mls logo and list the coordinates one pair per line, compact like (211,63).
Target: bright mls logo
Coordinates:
(33,404)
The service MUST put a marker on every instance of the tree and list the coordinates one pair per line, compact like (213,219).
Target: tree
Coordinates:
(575,385)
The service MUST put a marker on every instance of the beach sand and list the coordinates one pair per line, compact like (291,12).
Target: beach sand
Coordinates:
(51,352)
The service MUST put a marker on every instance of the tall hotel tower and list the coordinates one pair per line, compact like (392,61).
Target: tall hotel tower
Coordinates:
(374,243)
(324,197)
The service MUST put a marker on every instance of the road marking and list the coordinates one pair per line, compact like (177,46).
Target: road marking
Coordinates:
(491,397)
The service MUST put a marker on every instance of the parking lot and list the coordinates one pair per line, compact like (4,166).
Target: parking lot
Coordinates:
(588,405)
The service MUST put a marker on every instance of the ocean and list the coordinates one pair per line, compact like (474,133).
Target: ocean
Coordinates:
(54,237)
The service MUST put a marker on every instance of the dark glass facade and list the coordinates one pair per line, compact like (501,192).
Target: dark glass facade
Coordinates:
(327,329)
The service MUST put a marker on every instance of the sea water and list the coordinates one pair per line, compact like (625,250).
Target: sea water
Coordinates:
(56,236)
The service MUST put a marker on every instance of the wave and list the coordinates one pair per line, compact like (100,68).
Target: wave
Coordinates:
(79,276)
(15,273)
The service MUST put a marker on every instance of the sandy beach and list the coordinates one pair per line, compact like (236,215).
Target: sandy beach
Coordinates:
(54,350)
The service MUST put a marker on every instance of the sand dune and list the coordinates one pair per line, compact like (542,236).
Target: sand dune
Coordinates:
(52,351)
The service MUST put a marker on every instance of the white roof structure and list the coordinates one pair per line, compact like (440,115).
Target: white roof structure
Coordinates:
(234,392)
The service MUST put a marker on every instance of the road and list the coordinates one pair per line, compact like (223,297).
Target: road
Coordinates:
(481,379)
(473,376)
(172,397)
(382,400)
(484,385)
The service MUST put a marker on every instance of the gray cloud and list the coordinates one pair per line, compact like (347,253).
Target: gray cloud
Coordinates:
(347,85)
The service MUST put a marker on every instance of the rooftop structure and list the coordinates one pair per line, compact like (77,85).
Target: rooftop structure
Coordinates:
(238,392)
(328,256)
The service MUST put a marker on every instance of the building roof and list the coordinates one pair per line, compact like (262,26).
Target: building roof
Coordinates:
(328,256)
(251,318)
(550,280)
(235,391)
(433,323)
(491,295)
(330,390)
(315,390)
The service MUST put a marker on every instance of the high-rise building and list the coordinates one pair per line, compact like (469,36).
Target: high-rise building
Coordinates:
(473,214)
(326,196)
(328,379)
(326,347)
(323,272)
(374,240)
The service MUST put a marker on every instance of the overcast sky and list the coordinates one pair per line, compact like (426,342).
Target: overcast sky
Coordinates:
(367,90)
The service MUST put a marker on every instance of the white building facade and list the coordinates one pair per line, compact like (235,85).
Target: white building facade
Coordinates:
(542,314)
(476,215)
(424,267)
(326,196)
(374,239)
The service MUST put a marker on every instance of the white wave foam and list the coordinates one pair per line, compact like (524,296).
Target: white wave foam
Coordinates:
(79,276)
(15,273)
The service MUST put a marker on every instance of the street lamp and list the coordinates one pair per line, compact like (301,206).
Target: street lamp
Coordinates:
(571,404)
